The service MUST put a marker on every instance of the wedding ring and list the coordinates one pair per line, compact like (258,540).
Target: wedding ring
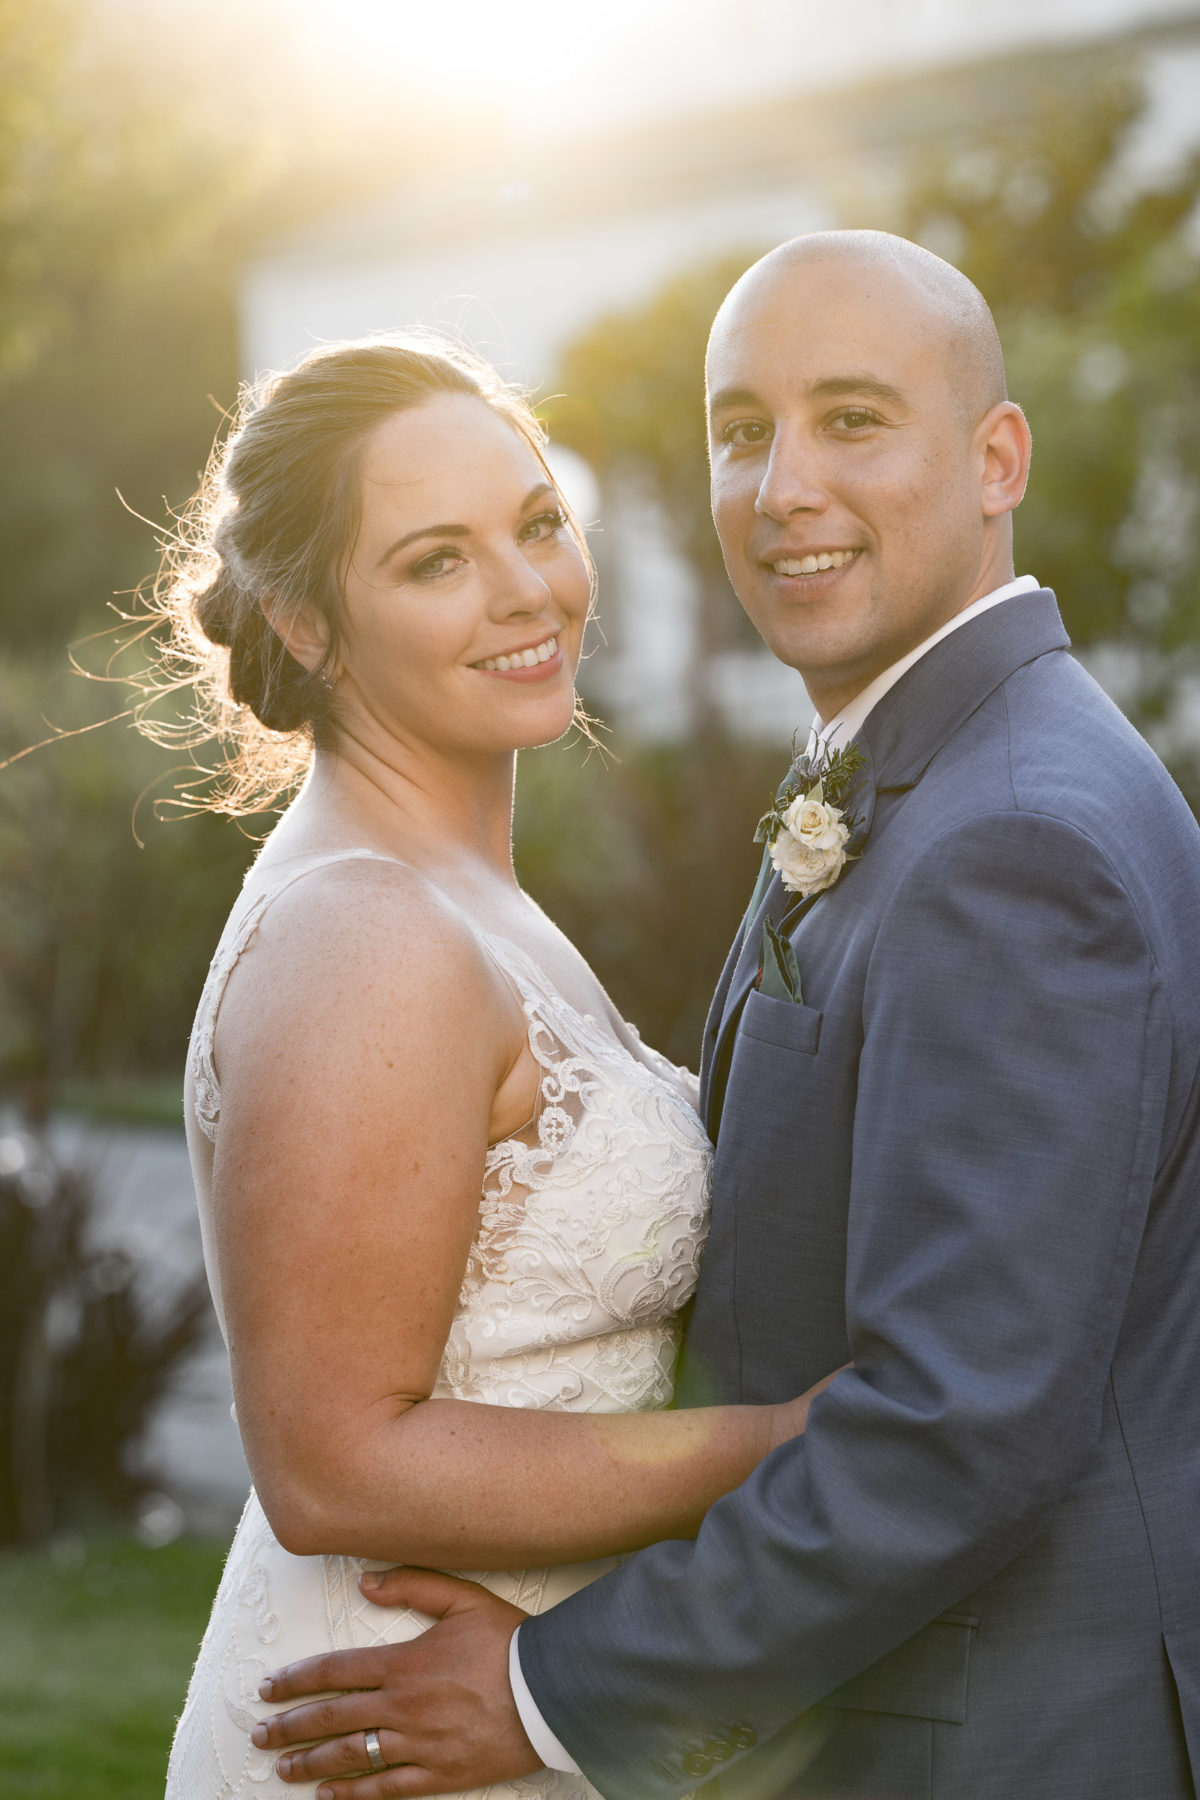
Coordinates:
(375,1757)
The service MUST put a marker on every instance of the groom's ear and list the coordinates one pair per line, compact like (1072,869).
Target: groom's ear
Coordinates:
(1003,444)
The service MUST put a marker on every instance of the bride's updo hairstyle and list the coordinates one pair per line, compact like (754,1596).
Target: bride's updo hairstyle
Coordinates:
(271,531)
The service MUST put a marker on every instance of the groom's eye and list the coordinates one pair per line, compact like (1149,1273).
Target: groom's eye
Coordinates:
(740,432)
(856,418)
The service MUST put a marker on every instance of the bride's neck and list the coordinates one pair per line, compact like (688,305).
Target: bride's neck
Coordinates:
(442,814)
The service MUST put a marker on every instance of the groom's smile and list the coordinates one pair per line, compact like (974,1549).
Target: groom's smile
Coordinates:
(854,473)
(805,564)
(805,574)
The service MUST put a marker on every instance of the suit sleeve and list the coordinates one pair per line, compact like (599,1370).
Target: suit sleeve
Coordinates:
(1008,1117)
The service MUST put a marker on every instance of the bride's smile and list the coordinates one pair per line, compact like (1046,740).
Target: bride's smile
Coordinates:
(466,593)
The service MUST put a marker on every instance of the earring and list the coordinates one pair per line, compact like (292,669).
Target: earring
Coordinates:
(327,680)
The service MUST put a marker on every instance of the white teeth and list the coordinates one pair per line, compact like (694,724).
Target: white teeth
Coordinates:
(521,659)
(813,564)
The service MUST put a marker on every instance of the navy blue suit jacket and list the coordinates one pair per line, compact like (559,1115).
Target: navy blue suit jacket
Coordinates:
(969,1159)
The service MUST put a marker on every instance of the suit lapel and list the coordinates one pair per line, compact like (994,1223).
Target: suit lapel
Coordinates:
(899,740)
(729,974)
(937,696)
(741,971)
(716,1012)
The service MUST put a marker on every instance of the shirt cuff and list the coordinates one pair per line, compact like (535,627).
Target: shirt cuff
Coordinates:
(536,1728)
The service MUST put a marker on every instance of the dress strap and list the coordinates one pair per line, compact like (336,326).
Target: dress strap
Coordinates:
(242,924)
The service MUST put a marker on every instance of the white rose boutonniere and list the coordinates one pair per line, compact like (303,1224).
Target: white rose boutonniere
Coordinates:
(807,829)
(809,850)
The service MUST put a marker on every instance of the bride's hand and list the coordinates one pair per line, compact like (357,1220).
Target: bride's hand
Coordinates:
(791,1417)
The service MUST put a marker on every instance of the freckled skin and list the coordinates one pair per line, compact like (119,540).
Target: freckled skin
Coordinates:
(902,477)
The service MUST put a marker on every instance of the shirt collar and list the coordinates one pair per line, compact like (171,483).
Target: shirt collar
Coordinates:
(839,731)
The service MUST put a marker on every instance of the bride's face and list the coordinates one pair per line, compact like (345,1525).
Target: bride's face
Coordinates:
(466,596)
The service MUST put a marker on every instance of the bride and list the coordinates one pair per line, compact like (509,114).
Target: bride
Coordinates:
(451,1205)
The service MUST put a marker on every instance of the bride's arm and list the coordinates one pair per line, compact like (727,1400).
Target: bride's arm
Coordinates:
(366,1049)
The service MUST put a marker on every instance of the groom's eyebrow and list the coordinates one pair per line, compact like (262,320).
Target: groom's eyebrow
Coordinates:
(730,396)
(829,387)
(832,387)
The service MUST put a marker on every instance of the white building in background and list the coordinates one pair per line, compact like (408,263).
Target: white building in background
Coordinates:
(522,255)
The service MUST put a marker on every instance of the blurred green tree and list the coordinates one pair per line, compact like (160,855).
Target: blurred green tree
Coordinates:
(646,863)
(85,1357)
(143,157)
(103,942)
(1094,278)
(632,403)
(141,163)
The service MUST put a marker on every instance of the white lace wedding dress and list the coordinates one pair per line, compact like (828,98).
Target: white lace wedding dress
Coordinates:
(589,1239)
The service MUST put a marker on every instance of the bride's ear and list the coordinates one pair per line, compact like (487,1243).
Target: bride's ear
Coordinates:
(304,634)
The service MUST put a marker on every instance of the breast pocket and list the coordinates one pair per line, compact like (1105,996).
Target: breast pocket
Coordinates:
(783,1023)
(778,1072)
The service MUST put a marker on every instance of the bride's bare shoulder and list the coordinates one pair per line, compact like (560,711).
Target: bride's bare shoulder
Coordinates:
(366,932)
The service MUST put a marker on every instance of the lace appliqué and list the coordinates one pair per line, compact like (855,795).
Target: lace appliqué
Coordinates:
(212,1757)
(354,1623)
(591,1225)
(240,927)
(234,940)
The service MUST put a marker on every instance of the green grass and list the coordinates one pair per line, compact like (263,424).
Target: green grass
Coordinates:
(95,1654)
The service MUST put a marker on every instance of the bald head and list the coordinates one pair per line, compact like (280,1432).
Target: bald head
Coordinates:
(865,459)
(955,309)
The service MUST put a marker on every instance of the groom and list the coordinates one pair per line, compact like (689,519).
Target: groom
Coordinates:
(957,1143)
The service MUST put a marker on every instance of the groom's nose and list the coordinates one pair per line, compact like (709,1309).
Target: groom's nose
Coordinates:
(791,481)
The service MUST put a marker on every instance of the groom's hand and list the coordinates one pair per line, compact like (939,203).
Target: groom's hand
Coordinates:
(441,1704)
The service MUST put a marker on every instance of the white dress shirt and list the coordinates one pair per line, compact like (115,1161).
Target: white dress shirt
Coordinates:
(837,734)
(537,1731)
(833,736)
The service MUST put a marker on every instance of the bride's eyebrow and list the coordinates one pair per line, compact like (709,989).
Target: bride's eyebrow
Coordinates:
(422,531)
(441,531)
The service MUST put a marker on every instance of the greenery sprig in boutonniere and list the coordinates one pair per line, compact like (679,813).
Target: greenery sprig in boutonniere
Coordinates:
(806,829)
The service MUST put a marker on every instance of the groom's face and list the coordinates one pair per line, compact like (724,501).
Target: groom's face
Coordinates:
(846,473)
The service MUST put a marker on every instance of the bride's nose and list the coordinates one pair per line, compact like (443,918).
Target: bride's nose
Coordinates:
(517,587)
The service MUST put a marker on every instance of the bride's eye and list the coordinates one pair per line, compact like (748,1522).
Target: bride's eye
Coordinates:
(542,525)
(438,562)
